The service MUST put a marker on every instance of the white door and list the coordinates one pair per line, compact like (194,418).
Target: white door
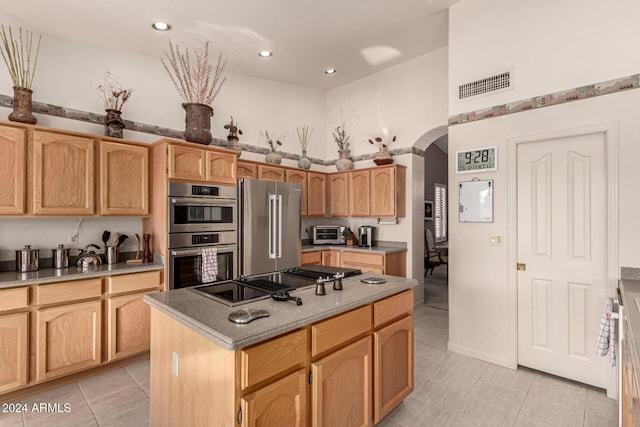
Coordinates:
(562,239)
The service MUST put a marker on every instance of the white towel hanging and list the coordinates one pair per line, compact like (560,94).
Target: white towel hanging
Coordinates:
(209,265)
(607,333)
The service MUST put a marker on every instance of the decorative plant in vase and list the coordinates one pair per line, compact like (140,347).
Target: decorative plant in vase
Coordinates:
(233,137)
(18,56)
(383,157)
(341,138)
(304,134)
(273,156)
(114,98)
(198,82)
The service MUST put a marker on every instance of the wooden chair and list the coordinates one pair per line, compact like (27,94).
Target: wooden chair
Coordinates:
(432,256)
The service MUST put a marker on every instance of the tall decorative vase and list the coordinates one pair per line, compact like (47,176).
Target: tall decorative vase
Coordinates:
(22,106)
(198,123)
(383,157)
(273,157)
(304,162)
(344,162)
(113,123)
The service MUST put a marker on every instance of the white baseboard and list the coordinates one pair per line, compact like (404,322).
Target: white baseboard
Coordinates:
(465,351)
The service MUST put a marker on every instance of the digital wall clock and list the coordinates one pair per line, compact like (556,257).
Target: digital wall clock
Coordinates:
(477,160)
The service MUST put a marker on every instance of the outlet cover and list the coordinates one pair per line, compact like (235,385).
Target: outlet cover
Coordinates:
(495,240)
(175,363)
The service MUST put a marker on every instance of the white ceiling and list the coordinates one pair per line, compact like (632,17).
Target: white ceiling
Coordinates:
(356,37)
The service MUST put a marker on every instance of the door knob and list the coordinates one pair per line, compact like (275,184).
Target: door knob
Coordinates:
(521,266)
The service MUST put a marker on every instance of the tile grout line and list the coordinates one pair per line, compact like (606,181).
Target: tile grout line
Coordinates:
(524,400)
(136,381)
(88,403)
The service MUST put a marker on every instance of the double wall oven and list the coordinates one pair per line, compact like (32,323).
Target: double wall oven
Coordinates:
(201,216)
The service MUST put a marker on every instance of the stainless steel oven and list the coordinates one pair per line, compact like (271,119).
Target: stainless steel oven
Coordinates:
(195,208)
(185,257)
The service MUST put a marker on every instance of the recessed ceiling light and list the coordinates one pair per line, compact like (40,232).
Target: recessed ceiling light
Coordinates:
(161,26)
(330,71)
(265,54)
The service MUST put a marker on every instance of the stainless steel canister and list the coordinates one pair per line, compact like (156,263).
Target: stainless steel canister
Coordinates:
(60,257)
(27,259)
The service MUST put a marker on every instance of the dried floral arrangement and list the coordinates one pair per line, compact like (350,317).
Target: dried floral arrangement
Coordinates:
(114,95)
(196,80)
(233,131)
(383,143)
(341,138)
(304,134)
(17,55)
(272,144)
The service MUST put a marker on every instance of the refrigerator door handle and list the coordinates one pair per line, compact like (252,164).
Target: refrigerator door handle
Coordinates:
(272,225)
(279,250)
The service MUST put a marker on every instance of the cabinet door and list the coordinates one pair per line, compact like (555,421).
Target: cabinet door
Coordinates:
(247,170)
(331,258)
(299,177)
(271,173)
(393,366)
(68,339)
(316,199)
(127,326)
(311,258)
(339,186)
(124,179)
(63,179)
(283,403)
(383,188)
(359,193)
(341,387)
(12,169)
(14,350)
(221,168)
(186,163)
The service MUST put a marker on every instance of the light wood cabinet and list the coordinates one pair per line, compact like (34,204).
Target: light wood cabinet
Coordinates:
(63,174)
(339,194)
(14,350)
(67,339)
(311,258)
(124,179)
(393,264)
(127,326)
(388,188)
(283,403)
(246,169)
(629,400)
(271,173)
(299,177)
(331,258)
(316,200)
(393,366)
(359,188)
(341,387)
(186,163)
(13,163)
(220,168)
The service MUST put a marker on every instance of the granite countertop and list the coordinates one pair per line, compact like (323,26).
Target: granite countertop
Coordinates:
(210,318)
(630,291)
(381,249)
(11,279)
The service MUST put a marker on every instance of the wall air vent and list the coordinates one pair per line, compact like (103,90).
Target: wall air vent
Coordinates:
(496,83)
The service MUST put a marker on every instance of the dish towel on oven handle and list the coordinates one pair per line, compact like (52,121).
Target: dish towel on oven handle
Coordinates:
(209,264)
(607,333)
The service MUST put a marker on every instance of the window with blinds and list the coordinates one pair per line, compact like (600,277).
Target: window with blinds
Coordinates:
(440,214)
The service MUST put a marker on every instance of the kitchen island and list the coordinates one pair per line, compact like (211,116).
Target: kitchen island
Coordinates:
(345,357)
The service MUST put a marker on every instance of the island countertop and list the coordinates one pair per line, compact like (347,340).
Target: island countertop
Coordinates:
(209,318)
(377,249)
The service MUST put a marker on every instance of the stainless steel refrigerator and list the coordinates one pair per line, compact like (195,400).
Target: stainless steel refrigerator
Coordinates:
(268,226)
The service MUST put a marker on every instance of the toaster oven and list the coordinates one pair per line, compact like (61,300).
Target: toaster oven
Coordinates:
(327,235)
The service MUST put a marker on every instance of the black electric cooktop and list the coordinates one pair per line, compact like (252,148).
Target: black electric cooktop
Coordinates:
(253,288)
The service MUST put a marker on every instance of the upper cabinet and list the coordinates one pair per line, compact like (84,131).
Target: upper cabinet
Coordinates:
(299,177)
(13,155)
(63,174)
(201,164)
(247,169)
(359,183)
(124,179)
(316,194)
(338,190)
(388,188)
(271,173)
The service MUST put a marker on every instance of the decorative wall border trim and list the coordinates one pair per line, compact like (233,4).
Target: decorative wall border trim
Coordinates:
(89,117)
(576,94)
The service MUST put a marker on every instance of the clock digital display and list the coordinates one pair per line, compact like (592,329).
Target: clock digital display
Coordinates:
(477,160)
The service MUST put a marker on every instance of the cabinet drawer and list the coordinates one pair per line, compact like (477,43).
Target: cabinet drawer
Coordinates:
(392,307)
(332,332)
(11,299)
(68,291)
(364,268)
(133,282)
(311,258)
(376,260)
(265,360)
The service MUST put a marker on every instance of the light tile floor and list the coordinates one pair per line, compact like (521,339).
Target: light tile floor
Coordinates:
(450,390)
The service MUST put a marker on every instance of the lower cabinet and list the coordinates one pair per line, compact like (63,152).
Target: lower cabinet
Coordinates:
(311,258)
(282,403)
(127,326)
(68,339)
(341,388)
(14,350)
(331,258)
(629,400)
